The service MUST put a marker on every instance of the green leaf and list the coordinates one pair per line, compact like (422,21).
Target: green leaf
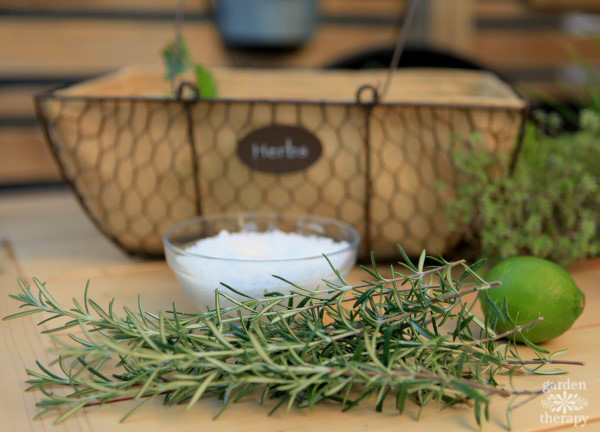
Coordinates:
(69,412)
(176,58)
(531,345)
(421,264)
(147,383)
(407,260)
(383,392)
(201,389)
(136,407)
(205,82)
(496,312)
(477,408)
(22,314)
(401,395)
(467,390)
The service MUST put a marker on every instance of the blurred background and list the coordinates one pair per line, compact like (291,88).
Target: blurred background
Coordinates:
(531,43)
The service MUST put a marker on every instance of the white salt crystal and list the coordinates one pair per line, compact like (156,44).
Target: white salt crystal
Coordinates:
(247,260)
(269,245)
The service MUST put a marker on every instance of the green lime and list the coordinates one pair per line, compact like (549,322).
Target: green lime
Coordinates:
(534,287)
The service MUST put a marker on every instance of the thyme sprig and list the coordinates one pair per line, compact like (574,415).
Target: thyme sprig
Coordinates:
(412,335)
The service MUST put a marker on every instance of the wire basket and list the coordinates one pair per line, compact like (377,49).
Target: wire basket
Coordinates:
(140,160)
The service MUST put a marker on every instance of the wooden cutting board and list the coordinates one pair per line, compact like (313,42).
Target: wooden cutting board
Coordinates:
(48,236)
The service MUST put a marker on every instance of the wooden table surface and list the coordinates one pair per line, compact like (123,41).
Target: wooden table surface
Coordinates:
(46,234)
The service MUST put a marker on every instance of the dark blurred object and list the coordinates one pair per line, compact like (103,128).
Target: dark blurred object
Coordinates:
(420,56)
(412,56)
(266,23)
(380,58)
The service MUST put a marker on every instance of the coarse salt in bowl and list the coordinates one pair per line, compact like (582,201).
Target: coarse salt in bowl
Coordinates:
(246,250)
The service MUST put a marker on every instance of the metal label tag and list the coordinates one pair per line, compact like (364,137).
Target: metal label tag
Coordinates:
(279,149)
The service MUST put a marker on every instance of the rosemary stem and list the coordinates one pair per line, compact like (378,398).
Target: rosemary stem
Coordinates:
(506,333)
(304,347)
(542,361)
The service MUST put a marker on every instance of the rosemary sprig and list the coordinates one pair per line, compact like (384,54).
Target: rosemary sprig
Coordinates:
(412,336)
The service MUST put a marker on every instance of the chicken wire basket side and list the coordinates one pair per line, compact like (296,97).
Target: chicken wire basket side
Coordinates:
(128,162)
(139,161)
(413,172)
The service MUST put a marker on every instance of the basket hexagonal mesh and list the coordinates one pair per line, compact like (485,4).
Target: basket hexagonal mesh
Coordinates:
(140,163)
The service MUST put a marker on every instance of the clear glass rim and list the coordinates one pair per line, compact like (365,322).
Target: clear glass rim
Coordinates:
(168,245)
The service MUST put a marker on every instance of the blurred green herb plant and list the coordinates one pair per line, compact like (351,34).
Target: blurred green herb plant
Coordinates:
(178,60)
(549,207)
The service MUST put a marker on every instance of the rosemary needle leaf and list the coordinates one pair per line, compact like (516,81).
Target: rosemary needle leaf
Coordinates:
(69,412)
(201,389)
(22,314)
(412,337)
(135,408)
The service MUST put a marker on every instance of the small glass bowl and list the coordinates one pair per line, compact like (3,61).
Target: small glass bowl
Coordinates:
(200,275)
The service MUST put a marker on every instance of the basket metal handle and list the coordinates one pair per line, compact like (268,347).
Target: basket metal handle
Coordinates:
(399,48)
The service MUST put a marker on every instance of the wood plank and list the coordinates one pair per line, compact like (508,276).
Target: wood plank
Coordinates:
(124,279)
(116,5)
(363,8)
(158,289)
(534,90)
(75,47)
(328,7)
(451,25)
(50,233)
(566,5)
(93,46)
(586,275)
(499,8)
(518,49)
(17,101)
(18,406)
(25,156)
